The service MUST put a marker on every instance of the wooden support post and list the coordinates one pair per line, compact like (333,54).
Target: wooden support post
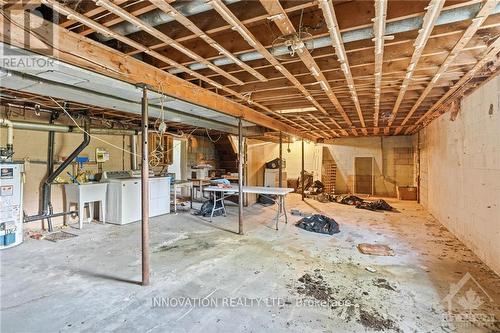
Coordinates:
(145,189)
(302,172)
(280,175)
(240,177)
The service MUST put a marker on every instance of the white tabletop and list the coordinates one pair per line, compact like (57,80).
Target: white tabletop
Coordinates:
(252,189)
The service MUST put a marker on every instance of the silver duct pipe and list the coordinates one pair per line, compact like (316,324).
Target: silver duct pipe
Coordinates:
(157,17)
(33,126)
(409,24)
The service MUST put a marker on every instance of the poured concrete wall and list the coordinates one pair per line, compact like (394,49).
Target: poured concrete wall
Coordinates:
(460,172)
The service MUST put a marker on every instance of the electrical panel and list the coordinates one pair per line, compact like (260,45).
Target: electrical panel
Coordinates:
(101,155)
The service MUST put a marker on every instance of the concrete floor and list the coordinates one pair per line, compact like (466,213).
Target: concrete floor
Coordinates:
(88,283)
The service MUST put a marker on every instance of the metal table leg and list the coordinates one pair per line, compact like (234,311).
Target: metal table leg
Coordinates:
(284,208)
(213,206)
(279,212)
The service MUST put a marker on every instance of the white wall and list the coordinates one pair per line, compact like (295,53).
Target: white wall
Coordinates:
(460,172)
(387,174)
(261,152)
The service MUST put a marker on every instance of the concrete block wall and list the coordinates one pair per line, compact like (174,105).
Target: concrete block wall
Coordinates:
(460,172)
(393,162)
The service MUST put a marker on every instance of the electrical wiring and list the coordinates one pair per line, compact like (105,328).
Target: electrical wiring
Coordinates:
(210,138)
(109,143)
(92,136)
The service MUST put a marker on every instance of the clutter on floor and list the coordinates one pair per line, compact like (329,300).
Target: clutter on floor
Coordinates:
(308,182)
(59,236)
(206,209)
(298,212)
(375,249)
(375,205)
(349,199)
(346,199)
(313,285)
(319,223)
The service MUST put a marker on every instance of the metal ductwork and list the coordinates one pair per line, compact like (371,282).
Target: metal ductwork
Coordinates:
(158,17)
(409,24)
(110,93)
(33,126)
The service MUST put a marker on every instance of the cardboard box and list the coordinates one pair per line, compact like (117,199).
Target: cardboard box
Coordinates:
(407,192)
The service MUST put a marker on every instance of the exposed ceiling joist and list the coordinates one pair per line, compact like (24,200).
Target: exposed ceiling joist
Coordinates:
(490,54)
(338,44)
(229,17)
(75,16)
(276,11)
(429,20)
(81,51)
(117,10)
(481,16)
(170,10)
(379,33)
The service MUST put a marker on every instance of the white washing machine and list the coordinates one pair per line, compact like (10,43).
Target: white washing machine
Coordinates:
(123,199)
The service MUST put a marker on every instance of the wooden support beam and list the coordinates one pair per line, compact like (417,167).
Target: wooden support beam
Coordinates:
(170,10)
(117,10)
(81,51)
(481,16)
(338,44)
(429,20)
(379,29)
(490,54)
(221,8)
(276,11)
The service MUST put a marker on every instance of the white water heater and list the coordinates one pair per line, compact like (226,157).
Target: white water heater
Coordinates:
(11,204)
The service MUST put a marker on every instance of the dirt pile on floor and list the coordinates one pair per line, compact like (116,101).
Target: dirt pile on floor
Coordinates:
(346,304)
(376,322)
(314,286)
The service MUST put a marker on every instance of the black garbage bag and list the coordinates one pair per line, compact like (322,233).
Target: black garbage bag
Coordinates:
(317,188)
(266,200)
(375,205)
(319,223)
(323,197)
(348,199)
(206,209)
